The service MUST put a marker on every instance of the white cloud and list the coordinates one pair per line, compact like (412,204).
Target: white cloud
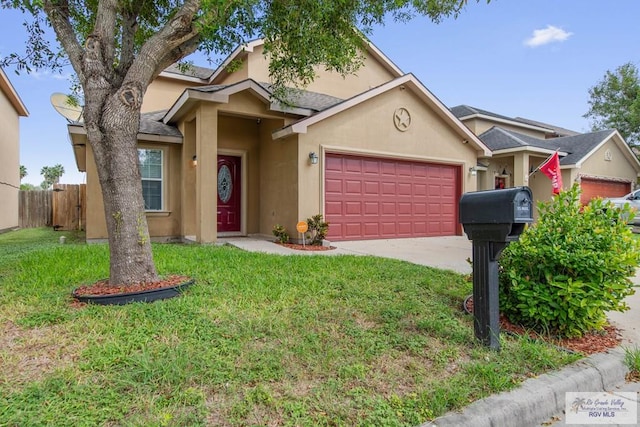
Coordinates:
(44,74)
(547,35)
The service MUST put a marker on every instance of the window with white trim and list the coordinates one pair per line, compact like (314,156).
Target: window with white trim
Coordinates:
(151,171)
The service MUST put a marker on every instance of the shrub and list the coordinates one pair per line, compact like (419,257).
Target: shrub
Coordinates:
(318,229)
(281,233)
(571,267)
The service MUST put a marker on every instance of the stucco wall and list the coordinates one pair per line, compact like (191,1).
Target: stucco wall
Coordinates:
(9,164)
(278,183)
(370,75)
(368,129)
(163,92)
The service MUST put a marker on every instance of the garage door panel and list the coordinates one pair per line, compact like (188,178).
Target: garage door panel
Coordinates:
(352,229)
(371,208)
(333,186)
(353,208)
(388,208)
(388,229)
(371,188)
(369,198)
(371,167)
(404,188)
(333,208)
(353,187)
(404,209)
(371,229)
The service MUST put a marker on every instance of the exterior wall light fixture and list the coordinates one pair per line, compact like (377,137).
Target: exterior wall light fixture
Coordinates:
(194,161)
(473,171)
(313,158)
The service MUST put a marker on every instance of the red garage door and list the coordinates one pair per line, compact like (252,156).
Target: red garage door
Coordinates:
(370,198)
(592,188)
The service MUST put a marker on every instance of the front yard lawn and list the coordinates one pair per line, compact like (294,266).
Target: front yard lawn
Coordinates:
(258,340)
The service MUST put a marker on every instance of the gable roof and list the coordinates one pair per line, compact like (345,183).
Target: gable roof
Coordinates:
(466,112)
(9,91)
(300,102)
(559,131)
(574,150)
(405,81)
(207,75)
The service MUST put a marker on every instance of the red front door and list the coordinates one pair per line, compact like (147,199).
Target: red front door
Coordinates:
(229,186)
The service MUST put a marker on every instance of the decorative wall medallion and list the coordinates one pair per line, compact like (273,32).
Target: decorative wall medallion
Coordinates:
(225,186)
(402,119)
(608,156)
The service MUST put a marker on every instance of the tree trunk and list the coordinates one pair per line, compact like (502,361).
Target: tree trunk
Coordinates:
(114,143)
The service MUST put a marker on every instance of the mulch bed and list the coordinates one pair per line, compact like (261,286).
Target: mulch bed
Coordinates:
(102,288)
(590,343)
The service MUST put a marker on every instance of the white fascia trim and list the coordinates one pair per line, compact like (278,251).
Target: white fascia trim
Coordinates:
(159,138)
(510,122)
(249,47)
(190,95)
(388,63)
(80,130)
(529,148)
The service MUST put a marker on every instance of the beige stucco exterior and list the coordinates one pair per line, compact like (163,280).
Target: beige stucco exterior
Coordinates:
(11,109)
(234,115)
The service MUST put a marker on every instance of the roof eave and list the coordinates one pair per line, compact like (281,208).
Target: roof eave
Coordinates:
(505,121)
(12,95)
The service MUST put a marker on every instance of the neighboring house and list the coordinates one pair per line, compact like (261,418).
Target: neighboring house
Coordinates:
(376,153)
(601,162)
(11,109)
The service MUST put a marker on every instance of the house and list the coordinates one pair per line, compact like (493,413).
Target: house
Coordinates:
(11,109)
(376,153)
(601,162)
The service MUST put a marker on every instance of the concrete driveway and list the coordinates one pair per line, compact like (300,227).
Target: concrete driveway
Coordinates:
(448,253)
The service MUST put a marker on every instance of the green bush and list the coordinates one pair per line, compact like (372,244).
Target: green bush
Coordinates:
(281,233)
(570,268)
(318,229)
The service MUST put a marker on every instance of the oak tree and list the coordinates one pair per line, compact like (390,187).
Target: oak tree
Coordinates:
(117,47)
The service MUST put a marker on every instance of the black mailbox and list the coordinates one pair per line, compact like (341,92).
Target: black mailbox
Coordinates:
(492,219)
(496,215)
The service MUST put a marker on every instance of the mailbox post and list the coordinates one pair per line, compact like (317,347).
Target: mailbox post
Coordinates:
(492,219)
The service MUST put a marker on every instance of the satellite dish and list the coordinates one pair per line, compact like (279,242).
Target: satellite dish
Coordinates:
(63,105)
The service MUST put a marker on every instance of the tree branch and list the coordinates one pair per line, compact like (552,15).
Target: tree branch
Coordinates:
(58,14)
(105,29)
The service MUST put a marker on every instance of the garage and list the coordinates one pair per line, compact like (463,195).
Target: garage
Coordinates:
(596,187)
(376,198)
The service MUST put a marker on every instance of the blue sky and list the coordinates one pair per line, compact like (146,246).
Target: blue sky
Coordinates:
(529,58)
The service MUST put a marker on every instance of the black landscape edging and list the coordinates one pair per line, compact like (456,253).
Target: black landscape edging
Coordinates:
(141,296)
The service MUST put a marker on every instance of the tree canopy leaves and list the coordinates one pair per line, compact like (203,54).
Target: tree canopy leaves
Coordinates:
(615,103)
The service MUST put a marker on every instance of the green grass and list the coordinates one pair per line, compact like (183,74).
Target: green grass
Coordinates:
(632,360)
(258,340)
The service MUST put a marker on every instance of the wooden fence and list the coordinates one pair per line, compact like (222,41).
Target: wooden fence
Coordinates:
(63,208)
(35,208)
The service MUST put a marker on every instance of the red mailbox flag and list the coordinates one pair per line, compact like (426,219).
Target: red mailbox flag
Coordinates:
(551,168)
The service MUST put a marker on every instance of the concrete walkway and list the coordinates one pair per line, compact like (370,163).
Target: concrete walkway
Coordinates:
(539,401)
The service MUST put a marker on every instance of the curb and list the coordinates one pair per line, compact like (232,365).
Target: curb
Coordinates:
(538,399)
